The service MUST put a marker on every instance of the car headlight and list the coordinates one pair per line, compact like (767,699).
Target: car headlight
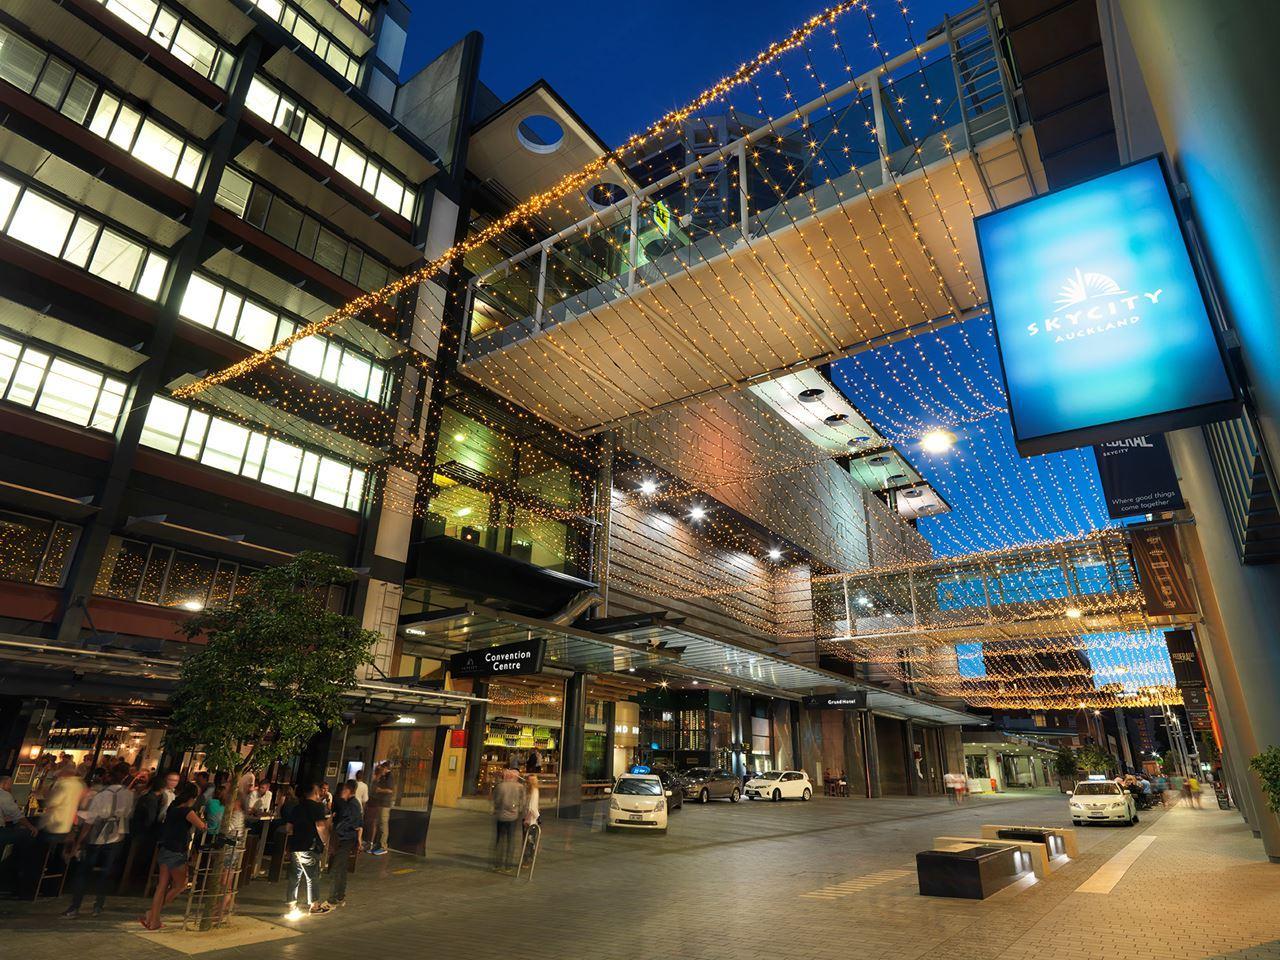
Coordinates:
(614,805)
(662,805)
(1076,806)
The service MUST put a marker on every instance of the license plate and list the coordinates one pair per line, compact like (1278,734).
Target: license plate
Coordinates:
(636,816)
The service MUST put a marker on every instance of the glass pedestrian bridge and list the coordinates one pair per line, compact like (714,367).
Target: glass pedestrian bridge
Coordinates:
(812,200)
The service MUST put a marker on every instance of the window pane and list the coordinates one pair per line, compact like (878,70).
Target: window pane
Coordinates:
(307,478)
(390,191)
(82,236)
(26,379)
(158,148)
(332,482)
(163,427)
(350,162)
(53,82)
(220,595)
(41,223)
(137,13)
(194,50)
(126,125)
(308,355)
(256,213)
(229,315)
(225,446)
(9,351)
(8,193)
(20,61)
(200,302)
(233,191)
(189,166)
(261,99)
(79,98)
(190,578)
(312,135)
(375,384)
(197,424)
(253,459)
(284,222)
(121,570)
(257,326)
(57,555)
(355,492)
(354,375)
(24,540)
(330,252)
(152,587)
(281,465)
(110,401)
(116,259)
(152,276)
(69,392)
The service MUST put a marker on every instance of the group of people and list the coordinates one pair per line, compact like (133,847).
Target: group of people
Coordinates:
(513,802)
(1161,789)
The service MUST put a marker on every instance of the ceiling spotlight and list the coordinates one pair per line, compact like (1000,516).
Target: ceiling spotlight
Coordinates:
(697,513)
(459,437)
(648,487)
(1075,613)
(937,441)
(864,601)
(663,684)
(775,554)
(464,511)
(695,683)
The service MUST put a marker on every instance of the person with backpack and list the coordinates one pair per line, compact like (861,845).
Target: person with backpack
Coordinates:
(104,828)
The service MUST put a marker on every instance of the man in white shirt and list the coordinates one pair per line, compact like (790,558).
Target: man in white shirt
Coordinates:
(169,792)
(362,789)
(101,839)
(261,803)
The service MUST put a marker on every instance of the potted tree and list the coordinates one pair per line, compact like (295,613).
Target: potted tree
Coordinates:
(1267,766)
(272,671)
(1066,767)
(1093,759)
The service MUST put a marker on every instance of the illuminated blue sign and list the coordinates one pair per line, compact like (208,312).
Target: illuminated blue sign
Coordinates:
(1099,315)
(641,768)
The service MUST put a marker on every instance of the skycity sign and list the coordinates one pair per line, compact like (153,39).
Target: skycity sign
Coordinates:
(1099,314)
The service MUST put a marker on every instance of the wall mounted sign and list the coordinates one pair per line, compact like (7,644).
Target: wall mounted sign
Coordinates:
(1100,317)
(838,701)
(1161,573)
(508,660)
(1138,476)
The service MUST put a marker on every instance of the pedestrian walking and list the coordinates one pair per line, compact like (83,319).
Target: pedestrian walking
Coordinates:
(508,806)
(172,854)
(307,838)
(104,825)
(348,831)
(1193,791)
(384,791)
(954,783)
(532,810)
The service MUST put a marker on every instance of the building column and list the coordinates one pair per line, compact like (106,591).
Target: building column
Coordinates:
(994,769)
(797,762)
(477,718)
(610,722)
(572,741)
(870,755)
(854,761)
(909,757)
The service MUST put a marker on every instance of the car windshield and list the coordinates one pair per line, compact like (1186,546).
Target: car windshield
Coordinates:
(639,788)
(771,775)
(1097,789)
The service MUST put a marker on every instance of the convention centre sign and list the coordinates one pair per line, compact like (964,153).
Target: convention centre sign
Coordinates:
(507,660)
(1100,316)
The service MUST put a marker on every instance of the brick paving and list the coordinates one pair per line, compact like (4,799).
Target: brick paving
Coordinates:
(729,881)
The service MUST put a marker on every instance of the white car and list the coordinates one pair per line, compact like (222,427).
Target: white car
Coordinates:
(780,785)
(638,800)
(1102,801)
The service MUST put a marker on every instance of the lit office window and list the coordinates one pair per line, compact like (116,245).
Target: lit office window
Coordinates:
(329,145)
(58,230)
(312,37)
(175,428)
(212,305)
(59,86)
(34,378)
(151,573)
(167,27)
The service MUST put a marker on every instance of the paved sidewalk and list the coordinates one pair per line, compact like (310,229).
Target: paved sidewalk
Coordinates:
(830,878)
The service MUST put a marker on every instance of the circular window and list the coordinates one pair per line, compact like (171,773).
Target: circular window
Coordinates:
(879,460)
(540,134)
(812,395)
(604,195)
(897,477)
(915,493)
(835,419)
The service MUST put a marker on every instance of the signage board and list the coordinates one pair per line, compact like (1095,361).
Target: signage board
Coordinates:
(507,660)
(857,700)
(662,217)
(1161,572)
(1100,317)
(1137,476)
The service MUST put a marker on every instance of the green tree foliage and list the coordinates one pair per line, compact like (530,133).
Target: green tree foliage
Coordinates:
(1065,764)
(1267,766)
(1093,759)
(272,670)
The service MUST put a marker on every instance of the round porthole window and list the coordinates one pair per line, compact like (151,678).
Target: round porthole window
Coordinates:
(604,195)
(812,395)
(538,133)
(835,419)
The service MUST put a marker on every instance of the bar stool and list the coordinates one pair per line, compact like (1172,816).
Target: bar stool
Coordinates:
(53,866)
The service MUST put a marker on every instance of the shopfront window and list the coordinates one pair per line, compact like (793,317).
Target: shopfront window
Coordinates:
(412,754)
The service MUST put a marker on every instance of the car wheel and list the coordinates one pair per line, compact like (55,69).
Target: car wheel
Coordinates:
(777,794)
(735,796)
(807,795)
(704,796)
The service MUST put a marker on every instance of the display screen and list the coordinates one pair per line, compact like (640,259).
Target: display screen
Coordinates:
(1099,315)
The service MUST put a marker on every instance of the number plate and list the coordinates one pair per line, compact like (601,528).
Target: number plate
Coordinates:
(636,816)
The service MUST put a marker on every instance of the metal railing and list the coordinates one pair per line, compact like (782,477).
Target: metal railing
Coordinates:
(778,175)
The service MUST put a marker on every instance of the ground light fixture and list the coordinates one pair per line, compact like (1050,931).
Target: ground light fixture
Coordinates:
(937,441)
(648,487)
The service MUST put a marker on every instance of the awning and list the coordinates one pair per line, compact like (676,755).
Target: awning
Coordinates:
(656,649)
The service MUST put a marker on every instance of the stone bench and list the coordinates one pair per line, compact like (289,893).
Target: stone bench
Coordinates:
(970,872)
(1039,856)
(991,831)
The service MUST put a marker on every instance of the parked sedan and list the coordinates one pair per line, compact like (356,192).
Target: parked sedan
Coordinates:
(673,784)
(705,784)
(1102,801)
(780,785)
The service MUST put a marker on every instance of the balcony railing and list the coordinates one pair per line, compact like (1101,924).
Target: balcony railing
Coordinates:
(777,174)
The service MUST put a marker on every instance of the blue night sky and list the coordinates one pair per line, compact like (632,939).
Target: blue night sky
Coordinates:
(622,66)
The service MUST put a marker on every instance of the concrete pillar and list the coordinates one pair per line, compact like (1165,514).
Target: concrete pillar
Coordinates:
(1241,606)
(572,741)
(810,728)
(610,723)
(477,717)
(870,754)
(855,761)
(994,769)
(909,758)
